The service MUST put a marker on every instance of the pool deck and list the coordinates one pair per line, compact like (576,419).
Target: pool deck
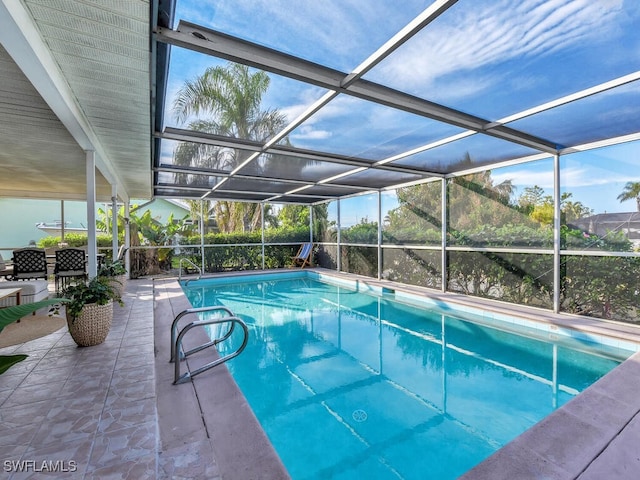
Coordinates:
(111,411)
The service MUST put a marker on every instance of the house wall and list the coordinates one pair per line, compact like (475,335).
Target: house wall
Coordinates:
(18,218)
(161,209)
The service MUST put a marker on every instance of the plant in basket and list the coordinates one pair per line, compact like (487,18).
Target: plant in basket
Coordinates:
(116,275)
(89,309)
(112,269)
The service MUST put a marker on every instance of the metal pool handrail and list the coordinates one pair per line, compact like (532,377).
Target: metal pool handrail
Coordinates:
(174,329)
(192,264)
(176,342)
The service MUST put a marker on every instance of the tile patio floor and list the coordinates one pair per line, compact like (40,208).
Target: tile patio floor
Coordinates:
(88,412)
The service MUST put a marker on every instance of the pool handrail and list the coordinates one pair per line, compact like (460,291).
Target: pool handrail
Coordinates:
(192,264)
(188,311)
(176,342)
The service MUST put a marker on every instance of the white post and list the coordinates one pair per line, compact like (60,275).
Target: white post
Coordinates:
(443,221)
(262,230)
(61,221)
(202,236)
(127,238)
(311,234)
(556,234)
(338,238)
(379,234)
(92,248)
(114,222)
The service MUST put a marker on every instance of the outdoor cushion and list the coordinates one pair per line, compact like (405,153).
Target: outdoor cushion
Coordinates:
(32,291)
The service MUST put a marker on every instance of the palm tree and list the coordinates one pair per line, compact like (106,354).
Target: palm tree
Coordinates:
(225,101)
(631,191)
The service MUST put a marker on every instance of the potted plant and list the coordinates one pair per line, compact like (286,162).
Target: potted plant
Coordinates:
(89,308)
(116,275)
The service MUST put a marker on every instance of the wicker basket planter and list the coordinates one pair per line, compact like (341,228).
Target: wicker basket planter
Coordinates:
(92,326)
(118,283)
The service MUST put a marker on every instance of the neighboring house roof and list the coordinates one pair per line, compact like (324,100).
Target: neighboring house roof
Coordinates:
(161,209)
(628,222)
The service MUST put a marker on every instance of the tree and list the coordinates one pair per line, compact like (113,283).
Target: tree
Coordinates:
(631,191)
(540,207)
(225,101)
(531,197)
(294,215)
(572,211)
(475,200)
(198,208)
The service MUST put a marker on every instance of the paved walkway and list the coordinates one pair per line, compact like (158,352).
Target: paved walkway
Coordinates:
(84,413)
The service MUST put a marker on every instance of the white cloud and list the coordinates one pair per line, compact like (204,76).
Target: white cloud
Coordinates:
(543,178)
(308,133)
(488,34)
(572,177)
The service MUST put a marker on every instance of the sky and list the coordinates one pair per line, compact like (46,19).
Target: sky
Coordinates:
(489,58)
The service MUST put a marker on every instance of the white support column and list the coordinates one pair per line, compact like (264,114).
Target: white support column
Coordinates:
(310,223)
(443,259)
(92,247)
(557,281)
(62,221)
(339,255)
(201,236)
(310,207)
(379,234)
(262,230)
(127,238)
(114,222)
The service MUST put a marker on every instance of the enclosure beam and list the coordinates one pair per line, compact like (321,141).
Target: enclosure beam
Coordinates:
(218,44)
(379,235)
(557,260)
(202,235)
(338,237)
(262,231)
(443,233)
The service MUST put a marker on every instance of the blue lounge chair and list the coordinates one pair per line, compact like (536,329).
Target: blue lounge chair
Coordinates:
(303,257)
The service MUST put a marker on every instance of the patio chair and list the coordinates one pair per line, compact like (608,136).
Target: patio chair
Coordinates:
(303,257)
(29,264)
(70,263)
(122,251)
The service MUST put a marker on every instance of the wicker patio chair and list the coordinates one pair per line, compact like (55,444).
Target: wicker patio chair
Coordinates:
(71,263)
(29,264)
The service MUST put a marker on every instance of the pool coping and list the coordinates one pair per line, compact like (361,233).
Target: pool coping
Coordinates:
(591,437)
(581,439)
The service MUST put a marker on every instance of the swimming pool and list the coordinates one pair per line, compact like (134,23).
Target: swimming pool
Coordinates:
(352,384)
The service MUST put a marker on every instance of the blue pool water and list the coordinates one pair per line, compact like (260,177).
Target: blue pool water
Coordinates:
(351,385)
